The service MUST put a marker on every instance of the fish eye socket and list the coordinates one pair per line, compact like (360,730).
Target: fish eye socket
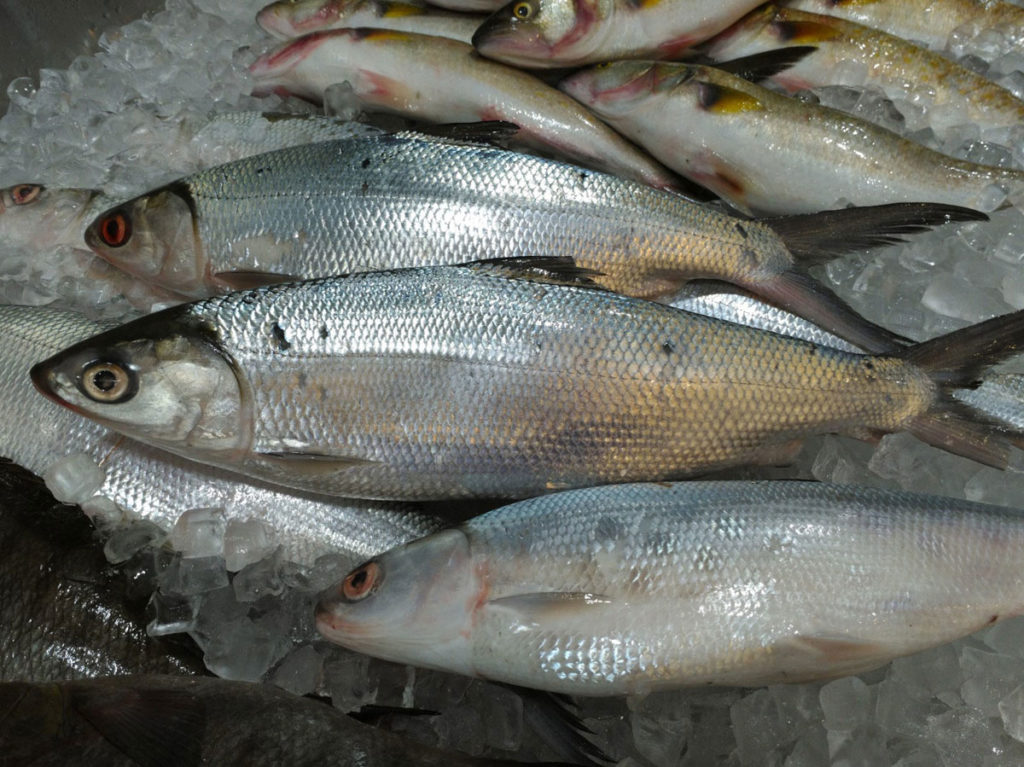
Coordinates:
(107,382)
(23,194)
(361,582)
(522,11)
(115,230)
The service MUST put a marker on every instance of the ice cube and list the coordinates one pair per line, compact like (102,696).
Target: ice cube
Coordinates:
(172,614)
(200,532)
(193,575)
(75,478)
(845,703)
(259,579)
(245,542)
(988,677)
(126,541)
(300,671)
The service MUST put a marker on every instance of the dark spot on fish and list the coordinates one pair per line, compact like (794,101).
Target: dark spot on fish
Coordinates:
(280,342)
(607,529)
(784,30)
(261,171)
(365,187)
(869,365)
(888,399)
(668,347)
(366,162)
(302,379)
(993,619)
(741,230)
(812,351)
(323,332)
(708,95)
(583,175)
(539,345)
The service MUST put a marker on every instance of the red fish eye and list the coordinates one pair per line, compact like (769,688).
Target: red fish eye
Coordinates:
(360,582)
(115,230)
(23,194)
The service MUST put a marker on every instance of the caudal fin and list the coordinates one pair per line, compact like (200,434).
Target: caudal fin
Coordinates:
(957,361)
(815,238)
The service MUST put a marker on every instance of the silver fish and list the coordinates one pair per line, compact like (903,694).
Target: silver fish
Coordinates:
(408,199)
(766,152)
(149,484)
(497,380)
(288,19)
(634,588)
(442,80)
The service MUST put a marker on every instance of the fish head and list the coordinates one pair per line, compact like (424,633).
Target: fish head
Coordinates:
(746,36)
(413,604)
(162,379)
(155,238)
(619,87)
(287,20)
(39,218)
(541,33)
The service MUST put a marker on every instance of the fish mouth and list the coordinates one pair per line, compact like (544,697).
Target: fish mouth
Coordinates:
(43,378)
(502,35)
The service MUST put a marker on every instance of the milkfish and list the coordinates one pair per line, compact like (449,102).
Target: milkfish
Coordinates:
(636,588)
(570,33)
(147,484)
(900,69)
(933,22)
(768,153)
(33,216)
(408,199)
(288,19)
(442,80)
(500,380)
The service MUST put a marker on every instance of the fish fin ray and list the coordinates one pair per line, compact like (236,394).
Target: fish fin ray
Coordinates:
(761,66)
(538,605)
(246,280)
(487,133)
(553,717)
(156,728)
(311,464)
(550,270)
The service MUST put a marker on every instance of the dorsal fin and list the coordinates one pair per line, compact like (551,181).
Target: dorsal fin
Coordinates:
(550,270)
(761,66)
(487,133)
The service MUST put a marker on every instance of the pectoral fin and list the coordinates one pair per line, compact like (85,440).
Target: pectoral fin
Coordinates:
(721,99)
(310,464)
(249,280)
(544,606)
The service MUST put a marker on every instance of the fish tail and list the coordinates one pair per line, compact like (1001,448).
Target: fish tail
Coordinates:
(815,238)
(957,361)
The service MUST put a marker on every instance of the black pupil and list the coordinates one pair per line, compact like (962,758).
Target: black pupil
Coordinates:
(359,579)
(104,380)
(522,10)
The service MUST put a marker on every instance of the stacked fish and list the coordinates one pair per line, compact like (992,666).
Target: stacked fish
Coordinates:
(422,315)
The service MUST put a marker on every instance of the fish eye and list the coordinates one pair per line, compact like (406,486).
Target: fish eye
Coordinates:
(115,230)
(107,382)
(23,194)
(522,11)
(361,582)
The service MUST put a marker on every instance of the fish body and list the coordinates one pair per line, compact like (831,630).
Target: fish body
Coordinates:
(287,20)
(479,381)
(150,484)
(443,80)
(159,720)
(931,22)
(634,588)
(769,153)
(898,68)
(570,33)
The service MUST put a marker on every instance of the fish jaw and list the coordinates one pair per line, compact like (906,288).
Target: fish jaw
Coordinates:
(557,33)
(162,379)
(154,237)
(287,20)
(388,609)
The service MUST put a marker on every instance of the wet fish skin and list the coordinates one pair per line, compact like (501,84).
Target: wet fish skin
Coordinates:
(768,153)
(569,33)
(158,720)
(62,616)
(153,485)
(931,22)
(899,68)
(442,80)
(634,588)
(287,20)
(481,381)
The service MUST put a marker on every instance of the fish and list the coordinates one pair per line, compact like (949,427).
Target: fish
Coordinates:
(147,484)
(62,615)
(35,217)
(500,380)
(287,19)
(442,80)
(931,22)
(900,69)
(767,153)
(409,199)
(571,33)
(126,721)
(629,589)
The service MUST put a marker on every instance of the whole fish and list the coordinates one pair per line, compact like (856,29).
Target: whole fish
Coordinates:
(496,380)
(62,616)
(766,152)
(570,33)
(443,80)
(407,199)
(634,588)
(898,68)
(149,484)
(159,720)
(931,22)
(288,19)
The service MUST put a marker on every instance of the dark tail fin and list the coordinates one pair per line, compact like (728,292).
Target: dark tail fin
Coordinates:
(815,238)
(956,361)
